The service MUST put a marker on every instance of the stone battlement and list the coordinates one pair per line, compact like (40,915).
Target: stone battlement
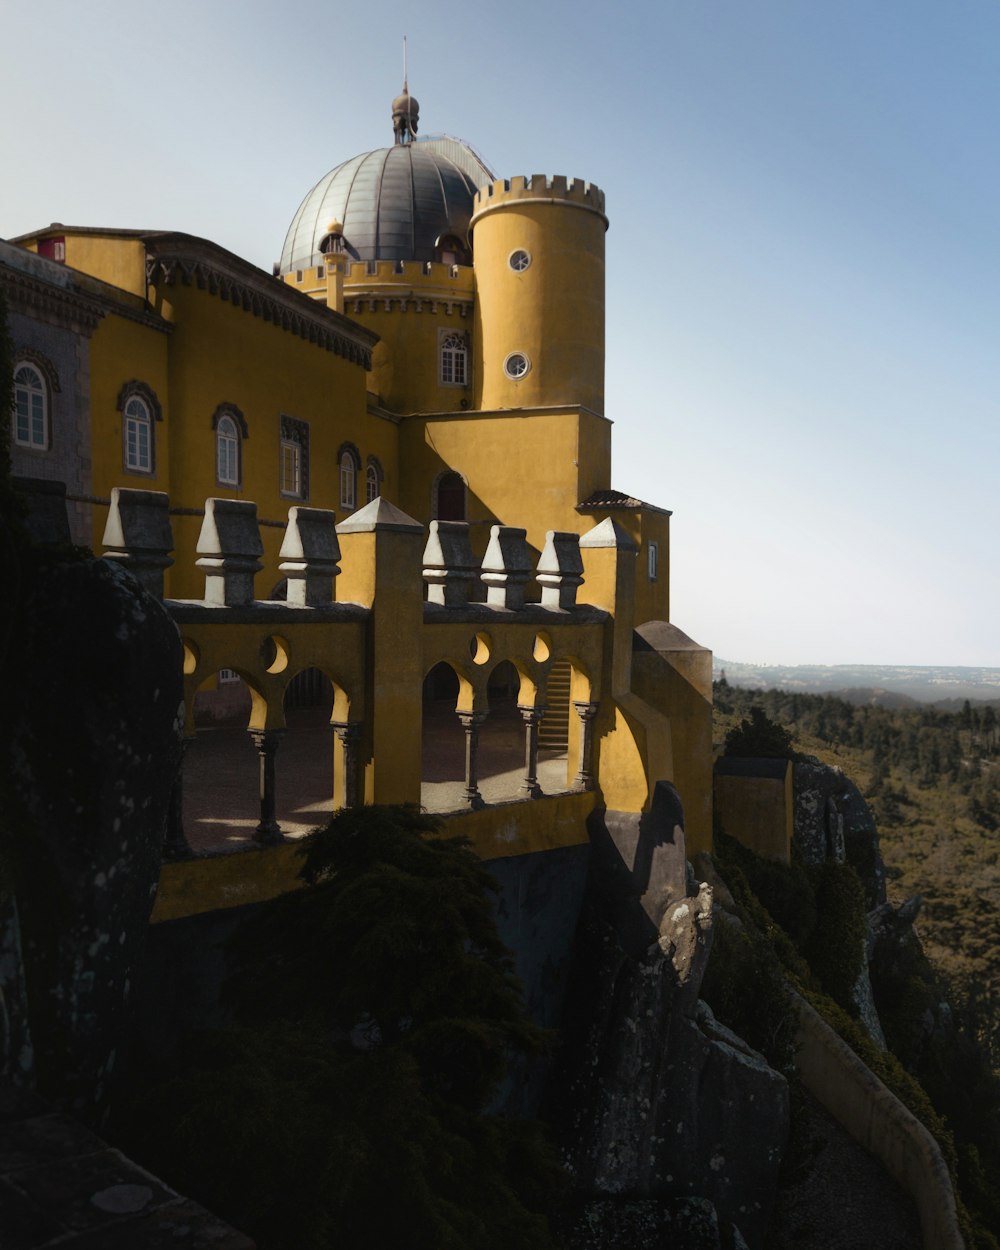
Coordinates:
(542,188)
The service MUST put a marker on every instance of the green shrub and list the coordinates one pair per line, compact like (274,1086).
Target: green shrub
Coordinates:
(746,987)
(759,737)
(835,949)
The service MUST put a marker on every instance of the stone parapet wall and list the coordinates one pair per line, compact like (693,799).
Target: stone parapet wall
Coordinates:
(879,1122)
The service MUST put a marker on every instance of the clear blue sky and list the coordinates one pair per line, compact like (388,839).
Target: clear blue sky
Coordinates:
(803,262)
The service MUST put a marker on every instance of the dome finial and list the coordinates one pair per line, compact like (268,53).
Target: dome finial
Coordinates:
(405,110)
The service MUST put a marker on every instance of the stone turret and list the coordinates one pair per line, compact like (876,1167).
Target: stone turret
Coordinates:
(539,266)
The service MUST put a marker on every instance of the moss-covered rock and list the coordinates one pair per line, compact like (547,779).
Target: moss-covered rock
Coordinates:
(93,695)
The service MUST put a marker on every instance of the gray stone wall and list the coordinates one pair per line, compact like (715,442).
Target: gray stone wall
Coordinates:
(67,458)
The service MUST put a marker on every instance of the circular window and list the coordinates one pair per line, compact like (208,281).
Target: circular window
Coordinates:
(519,260)
(516,365)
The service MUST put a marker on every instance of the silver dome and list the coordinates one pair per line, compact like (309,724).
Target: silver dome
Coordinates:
(393,203)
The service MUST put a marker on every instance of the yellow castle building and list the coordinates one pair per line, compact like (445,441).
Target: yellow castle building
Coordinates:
(431,343)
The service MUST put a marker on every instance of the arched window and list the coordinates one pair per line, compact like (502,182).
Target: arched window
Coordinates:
(140,411)
(348,473)
(454,360)
(31,408)
(373,480)
(230,430)
(138,436)
(449,497)
(349,459)
(227,448)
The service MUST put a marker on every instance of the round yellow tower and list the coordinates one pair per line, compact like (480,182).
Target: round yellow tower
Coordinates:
(538,247)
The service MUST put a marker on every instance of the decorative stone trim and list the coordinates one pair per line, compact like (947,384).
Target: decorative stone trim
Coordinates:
(144,392)
(230,410)
(352,451)
(28,356)
(261,296)
(56,305)
(372,303)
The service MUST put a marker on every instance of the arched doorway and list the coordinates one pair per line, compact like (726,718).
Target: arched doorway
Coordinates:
(443,765)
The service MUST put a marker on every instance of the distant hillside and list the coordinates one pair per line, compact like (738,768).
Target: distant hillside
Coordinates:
(932,779)
(862,684)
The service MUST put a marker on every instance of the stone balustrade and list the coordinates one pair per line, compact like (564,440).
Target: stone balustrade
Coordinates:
(310,555)
(138,535)
(375,604)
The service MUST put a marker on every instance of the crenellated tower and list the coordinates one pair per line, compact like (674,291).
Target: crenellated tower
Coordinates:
(539,277)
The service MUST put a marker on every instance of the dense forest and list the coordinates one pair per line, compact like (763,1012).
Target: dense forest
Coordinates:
(931,775)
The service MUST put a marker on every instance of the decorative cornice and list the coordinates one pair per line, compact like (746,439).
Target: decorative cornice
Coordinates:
(408,303)
(31,297)
(170,261)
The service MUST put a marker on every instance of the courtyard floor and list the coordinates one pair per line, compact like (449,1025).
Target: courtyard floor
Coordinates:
(221,768)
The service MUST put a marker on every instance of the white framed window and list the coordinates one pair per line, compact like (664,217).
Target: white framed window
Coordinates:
(140,409)
(348,479)
(31,408)
(291,468)
(516,365)
(653,560)
(138,436)
(373,482)
(454,360)
(349,466)
(519,260)
(227,452)
(227,675)
(293,462)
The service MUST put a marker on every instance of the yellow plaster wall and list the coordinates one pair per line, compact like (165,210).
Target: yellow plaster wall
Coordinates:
(679,683)
(191,887)
(382,568)
(336,648)
(221,354)
(759,811)
(121,351)
(410,305)
(553,311)
(405,363)
(114,259)
(526,469)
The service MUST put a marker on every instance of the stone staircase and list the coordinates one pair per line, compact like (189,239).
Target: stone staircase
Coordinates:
(553,732)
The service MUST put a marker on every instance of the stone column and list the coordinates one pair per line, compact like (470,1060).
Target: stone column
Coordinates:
(176,845)
(470,723)
(349,734)
(268,832)
(584,778)
(531,717)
